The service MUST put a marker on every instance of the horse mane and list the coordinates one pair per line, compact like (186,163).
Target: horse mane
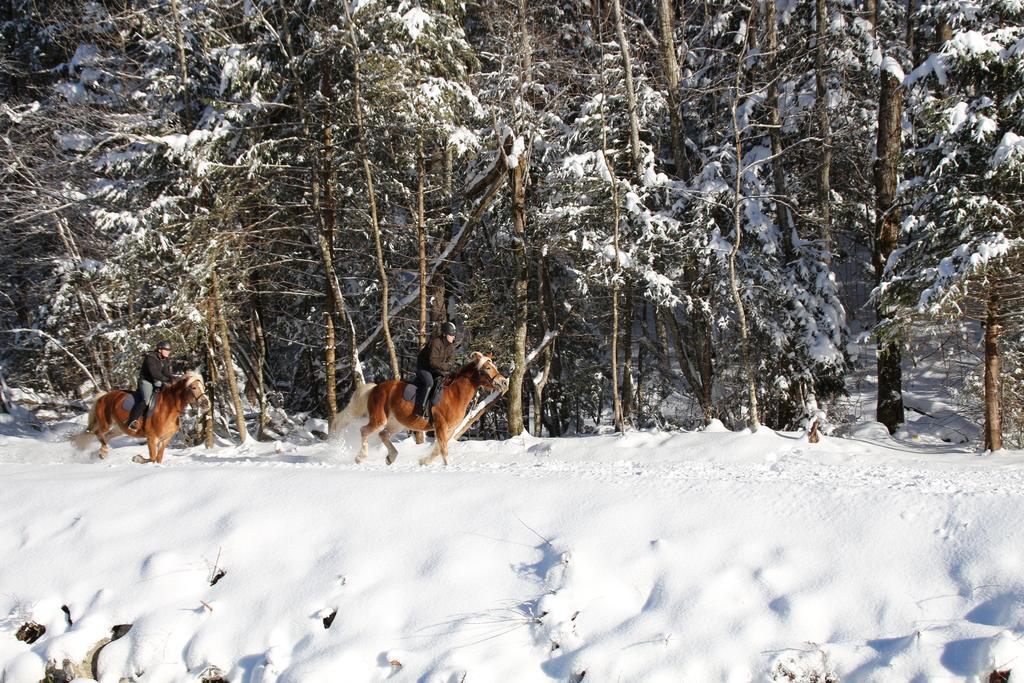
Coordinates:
(189,375)
(473,365)
(182,382)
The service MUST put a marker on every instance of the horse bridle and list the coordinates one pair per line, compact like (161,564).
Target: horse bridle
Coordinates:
(488,379)
(192,388)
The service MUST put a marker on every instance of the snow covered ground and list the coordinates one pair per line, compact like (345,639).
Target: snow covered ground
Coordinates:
(710,556)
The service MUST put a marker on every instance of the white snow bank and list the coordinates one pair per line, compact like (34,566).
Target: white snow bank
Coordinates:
(646,557)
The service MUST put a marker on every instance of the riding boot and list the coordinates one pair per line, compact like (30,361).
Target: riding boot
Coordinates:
(135,417)
(422,409)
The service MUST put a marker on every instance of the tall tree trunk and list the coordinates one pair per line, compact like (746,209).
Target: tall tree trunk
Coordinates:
(617,263)
(436,284)
(330,179)
(518,178)
(364,155)
(889,410)
(707,369)
(330,365)
(617,419)
(783,216)
(753,418)
(515,390)
(670,67)
(225,348)
(626,399)
(543,307)
(259,342)
(627,69)
(627,387)
(319,237)
(179,40)
(993,404)
(870,13)
(824,127)
(686,345)
(421,236)
(211,367)
(664,349)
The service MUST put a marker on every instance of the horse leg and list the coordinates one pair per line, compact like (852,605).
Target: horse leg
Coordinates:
(440,445)
(151,444)
(161,447)
(101,434)
(99,427)
(441,434)
(376,423)
(385,437)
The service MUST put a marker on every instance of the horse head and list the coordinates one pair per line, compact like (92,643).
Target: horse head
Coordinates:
(485,373)
(193,383)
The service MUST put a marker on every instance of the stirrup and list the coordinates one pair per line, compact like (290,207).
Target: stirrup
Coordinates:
(134,425)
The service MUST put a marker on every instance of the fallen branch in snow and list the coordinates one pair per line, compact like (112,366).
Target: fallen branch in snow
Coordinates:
(61,347)
(481,408)
(535,532)
(456,245)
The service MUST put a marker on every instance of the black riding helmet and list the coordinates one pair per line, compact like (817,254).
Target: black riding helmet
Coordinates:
(163,344)
(448,328)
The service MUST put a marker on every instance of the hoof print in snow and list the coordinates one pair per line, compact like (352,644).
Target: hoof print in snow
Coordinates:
(999,677)
(329,619)
(217,576)
(67,614)
(30,632)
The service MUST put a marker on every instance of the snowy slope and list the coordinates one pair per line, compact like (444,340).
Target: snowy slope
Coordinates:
(712,556)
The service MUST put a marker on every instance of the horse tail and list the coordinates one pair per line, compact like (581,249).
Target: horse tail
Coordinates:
(355,409)
(83,440)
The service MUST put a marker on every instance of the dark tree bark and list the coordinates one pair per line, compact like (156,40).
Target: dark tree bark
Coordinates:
(889,410)
(670,68)
(217,307)
(824,125)
(993,403)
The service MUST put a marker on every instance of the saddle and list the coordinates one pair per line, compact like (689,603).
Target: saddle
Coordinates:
(129,401)
(433,398)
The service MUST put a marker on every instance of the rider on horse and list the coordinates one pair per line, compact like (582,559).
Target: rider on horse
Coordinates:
(154,373)
(433,361)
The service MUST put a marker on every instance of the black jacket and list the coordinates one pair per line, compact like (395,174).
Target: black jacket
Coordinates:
(156,369)
(436,356)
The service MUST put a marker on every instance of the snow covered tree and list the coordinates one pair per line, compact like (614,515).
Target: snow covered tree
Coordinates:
(964,238)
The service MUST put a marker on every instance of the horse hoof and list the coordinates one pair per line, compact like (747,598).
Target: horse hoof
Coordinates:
(390,459)
(139,459)
(424,462)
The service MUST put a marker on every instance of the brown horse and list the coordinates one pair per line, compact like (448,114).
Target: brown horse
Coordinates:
(390,413)
(109,413)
